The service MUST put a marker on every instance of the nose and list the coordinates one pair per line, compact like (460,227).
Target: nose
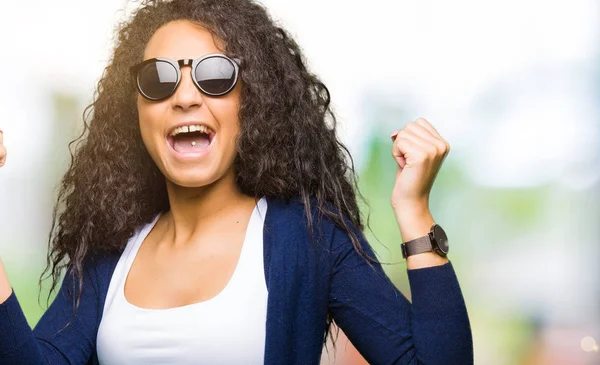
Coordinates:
(187,94)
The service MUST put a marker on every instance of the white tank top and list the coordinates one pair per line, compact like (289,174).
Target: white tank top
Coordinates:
(226,329)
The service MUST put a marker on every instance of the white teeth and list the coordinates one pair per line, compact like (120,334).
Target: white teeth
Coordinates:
(191,128)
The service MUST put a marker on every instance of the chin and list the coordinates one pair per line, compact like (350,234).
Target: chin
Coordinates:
(196,177)
(192,180)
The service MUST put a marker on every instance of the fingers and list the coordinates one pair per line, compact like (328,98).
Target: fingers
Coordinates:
(423,135)
(399,156)
(425,124)
(408,151)
(418,147)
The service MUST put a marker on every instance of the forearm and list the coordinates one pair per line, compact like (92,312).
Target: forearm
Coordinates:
(17,343)
(415,221)
(385,327)
(5,288)
(440,323)
(60,337)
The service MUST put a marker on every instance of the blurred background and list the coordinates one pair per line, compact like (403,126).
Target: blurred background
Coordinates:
(513,85)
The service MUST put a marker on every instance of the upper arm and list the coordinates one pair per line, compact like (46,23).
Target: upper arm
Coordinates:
(383,325)
(366,305)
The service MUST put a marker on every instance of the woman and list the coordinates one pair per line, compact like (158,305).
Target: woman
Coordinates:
(210,215)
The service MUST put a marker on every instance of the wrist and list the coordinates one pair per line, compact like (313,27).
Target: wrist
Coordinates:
(415,226)
(414,222)
(421,226)
(401,204)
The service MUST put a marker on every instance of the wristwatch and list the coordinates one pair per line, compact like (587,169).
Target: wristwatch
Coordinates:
(436,241)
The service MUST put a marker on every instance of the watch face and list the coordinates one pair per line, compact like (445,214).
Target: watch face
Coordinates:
(440,238)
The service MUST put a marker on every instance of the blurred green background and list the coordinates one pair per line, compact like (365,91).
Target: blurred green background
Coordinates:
(512,85)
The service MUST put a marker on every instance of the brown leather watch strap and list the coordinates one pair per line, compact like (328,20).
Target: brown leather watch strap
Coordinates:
(418,245)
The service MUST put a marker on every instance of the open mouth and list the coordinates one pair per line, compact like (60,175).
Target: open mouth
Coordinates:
(190,138)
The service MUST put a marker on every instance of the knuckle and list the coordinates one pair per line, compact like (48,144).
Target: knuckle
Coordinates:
(421,155)
(410,126)
(442,148)
(402,134)
(431,149)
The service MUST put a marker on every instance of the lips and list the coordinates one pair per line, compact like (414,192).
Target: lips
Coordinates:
(191,142)
(190,139)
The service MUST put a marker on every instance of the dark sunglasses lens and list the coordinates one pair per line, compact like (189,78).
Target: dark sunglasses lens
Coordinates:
(215,75)
(157,80)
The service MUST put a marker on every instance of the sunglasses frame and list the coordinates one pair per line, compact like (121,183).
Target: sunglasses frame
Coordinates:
(177,65)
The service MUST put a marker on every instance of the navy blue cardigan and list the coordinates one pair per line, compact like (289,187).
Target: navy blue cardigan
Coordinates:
(303,285)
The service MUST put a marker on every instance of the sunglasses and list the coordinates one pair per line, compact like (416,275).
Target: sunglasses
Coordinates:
(158,78)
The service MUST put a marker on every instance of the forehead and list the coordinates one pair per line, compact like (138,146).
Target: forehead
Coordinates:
(181,39)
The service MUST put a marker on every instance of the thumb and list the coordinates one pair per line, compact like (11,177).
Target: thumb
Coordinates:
(397,152)
(400,160)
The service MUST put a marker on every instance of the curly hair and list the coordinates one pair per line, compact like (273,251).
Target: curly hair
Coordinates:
(113,186)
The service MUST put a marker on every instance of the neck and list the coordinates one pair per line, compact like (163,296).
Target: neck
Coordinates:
(204,209)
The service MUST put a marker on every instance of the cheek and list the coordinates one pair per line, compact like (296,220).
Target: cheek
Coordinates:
(227,113)
(147,126)
(231,130)
(228,110)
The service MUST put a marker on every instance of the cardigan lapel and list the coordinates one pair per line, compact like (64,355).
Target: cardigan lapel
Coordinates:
(297,299)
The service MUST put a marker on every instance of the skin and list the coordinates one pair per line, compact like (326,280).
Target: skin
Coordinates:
(192,251)
(419,151)
(5,289)
(2,149)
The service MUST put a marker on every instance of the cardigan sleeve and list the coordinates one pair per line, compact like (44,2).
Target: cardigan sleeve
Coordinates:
(53,340)
(383,325)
